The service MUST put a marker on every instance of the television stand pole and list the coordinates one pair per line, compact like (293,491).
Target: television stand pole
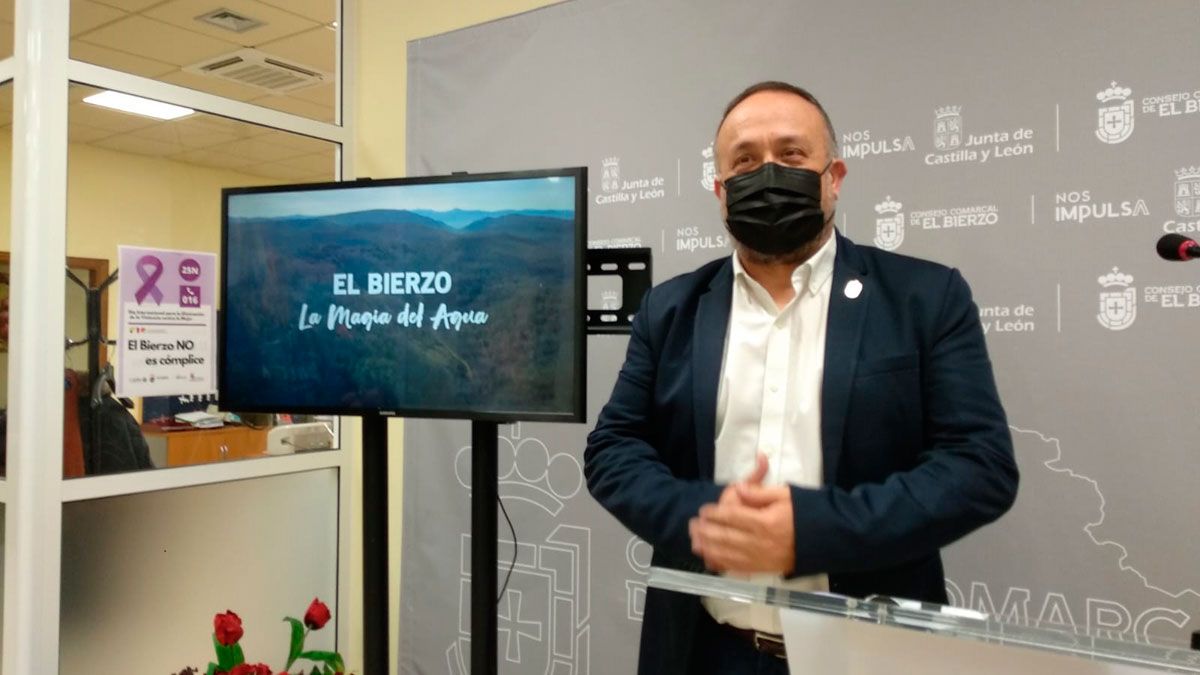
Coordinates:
(484,533)
(484,495)
(375,543)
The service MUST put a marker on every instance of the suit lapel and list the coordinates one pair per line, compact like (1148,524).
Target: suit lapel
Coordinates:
(843,334)
(711,324)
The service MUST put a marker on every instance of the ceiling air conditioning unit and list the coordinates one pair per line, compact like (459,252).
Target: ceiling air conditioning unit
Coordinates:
(260,70)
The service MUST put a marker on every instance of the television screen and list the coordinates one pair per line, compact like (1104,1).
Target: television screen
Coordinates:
(452,296)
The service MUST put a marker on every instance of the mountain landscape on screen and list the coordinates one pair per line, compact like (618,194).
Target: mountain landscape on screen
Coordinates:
(513,268)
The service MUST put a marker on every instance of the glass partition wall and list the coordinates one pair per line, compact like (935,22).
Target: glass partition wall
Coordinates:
(154,185)
(131,116)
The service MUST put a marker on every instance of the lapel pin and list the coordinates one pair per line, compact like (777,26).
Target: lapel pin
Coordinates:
(853,288)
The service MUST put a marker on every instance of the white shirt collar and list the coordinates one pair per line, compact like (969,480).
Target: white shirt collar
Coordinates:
(811,275)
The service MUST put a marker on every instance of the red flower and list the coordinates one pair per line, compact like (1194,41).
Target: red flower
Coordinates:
(317,615)
(251,669)
(228,628)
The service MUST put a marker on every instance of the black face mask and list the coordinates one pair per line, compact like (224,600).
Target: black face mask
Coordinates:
(775,209)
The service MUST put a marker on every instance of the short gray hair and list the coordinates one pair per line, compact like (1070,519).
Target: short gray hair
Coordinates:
(775,85)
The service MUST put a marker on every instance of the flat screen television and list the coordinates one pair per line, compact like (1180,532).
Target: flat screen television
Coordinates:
(456,296)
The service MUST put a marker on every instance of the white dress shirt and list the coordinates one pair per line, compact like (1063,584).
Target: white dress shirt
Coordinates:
(769,401)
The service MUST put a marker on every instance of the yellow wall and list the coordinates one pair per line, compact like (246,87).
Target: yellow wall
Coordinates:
(385,28)
(117,198)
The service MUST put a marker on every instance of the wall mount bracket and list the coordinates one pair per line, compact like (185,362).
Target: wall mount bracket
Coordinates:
(633,266)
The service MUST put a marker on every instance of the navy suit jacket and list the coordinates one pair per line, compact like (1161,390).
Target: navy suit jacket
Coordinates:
(916,448)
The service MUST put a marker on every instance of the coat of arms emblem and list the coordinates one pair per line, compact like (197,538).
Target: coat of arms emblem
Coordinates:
(1187,192)
(889,226)
(1115,122)
(947,127)
(708,174)
(544,615)
(1118,301)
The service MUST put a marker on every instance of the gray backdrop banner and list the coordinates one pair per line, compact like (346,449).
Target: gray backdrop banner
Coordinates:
(1040,146)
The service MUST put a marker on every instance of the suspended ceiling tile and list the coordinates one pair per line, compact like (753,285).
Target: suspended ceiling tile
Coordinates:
(157,40)
(296,106)
(130,5)
(213,85)
(109,120)
(276,22)
(81,133)
(210,158)
(138,146)
(206,123)
(87,15)
(184,135)
(122,61)
(234,127)
(321,11)
(321,95)
(303,145)
(258,150)
(316,48)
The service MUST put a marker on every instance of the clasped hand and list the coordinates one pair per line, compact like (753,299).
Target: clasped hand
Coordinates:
(749,529)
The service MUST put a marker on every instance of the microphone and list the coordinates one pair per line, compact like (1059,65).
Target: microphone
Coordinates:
(1178,247)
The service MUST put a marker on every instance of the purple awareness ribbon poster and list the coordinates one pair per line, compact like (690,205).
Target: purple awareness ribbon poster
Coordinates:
(167,339)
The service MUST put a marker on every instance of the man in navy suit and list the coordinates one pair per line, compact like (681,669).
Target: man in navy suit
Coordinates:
(806,413)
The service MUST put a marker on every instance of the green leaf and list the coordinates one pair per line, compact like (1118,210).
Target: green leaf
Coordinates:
(225,655)
(212,668)
(333,659)
(238,657)
(297,645)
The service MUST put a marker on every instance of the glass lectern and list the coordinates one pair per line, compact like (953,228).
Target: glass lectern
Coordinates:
(835,635)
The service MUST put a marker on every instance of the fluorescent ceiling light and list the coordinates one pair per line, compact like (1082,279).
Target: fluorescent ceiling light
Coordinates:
(138,105)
